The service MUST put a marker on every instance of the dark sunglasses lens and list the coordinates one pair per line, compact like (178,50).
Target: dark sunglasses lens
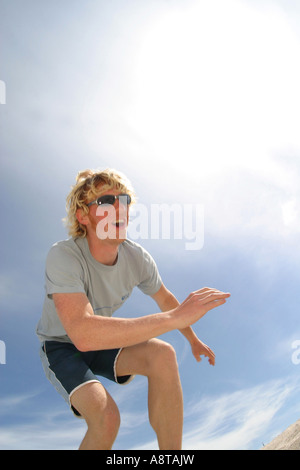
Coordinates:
(108,199)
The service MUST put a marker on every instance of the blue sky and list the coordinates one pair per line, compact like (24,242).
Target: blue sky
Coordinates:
(196,102)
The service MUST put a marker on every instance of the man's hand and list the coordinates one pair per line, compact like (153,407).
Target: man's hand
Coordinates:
(201,349)
(197,304)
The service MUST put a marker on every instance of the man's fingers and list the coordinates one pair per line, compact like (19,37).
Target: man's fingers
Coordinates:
(204,290)
(204,295)
(209,291)
(212,296)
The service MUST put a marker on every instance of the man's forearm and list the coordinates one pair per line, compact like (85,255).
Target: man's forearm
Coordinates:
(90,332)
(108,333)
(95,332)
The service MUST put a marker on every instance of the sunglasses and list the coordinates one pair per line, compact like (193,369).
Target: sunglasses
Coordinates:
(110,199)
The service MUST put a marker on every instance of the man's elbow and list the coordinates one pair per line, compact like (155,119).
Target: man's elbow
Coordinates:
(80,342)
(87,335)
(80,334)
(85,343)
(82,346)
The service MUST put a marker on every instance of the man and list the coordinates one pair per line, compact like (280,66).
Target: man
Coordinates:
(88,277)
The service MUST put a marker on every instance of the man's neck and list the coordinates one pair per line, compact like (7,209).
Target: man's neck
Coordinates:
(103,251)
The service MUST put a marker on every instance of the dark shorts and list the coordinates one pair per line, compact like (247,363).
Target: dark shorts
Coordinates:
(69,369)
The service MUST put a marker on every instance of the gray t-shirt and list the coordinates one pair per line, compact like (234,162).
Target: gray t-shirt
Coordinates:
(70,267)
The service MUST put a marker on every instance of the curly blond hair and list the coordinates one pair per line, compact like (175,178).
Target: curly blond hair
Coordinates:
(90,184)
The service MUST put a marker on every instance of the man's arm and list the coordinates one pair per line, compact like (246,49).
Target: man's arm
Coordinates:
(166,301)
(90,332)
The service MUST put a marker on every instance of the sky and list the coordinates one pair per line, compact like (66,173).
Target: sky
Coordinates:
(198,104)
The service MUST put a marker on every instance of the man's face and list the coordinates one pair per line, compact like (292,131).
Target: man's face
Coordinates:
(109,221)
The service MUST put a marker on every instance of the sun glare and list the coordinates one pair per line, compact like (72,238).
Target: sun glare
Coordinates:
(215,83)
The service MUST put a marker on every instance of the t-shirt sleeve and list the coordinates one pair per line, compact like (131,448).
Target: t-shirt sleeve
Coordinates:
(150,277)
(64,273)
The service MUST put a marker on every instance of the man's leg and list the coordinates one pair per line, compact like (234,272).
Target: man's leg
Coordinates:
(101,414)
(156,360)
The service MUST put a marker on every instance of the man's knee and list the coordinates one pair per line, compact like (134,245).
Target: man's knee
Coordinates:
(110,419)
(97,408)
(163,357)
(104,420)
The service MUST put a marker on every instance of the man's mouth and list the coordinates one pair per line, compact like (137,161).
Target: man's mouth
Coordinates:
(120,223)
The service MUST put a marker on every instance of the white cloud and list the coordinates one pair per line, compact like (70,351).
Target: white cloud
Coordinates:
(40,435)
(234,420)
(31,428)
(291,215)
(9,403)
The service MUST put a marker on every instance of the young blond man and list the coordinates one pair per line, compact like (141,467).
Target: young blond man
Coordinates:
(88,277)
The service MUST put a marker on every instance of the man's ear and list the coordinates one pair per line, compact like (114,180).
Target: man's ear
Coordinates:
(82,217)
